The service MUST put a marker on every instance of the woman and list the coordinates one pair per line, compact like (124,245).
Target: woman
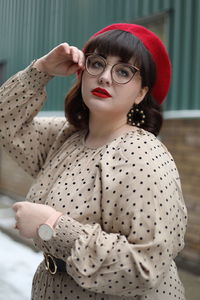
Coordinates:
(106,206)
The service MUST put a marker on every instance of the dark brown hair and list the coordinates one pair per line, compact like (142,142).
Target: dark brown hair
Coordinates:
(126,46)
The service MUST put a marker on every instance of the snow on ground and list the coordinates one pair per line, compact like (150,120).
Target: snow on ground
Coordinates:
(17,267)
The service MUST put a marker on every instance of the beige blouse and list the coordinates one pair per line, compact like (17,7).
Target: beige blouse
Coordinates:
(124,215)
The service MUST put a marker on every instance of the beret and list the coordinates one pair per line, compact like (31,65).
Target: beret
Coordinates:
(158,52)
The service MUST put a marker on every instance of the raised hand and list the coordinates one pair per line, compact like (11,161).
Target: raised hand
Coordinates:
(63,60)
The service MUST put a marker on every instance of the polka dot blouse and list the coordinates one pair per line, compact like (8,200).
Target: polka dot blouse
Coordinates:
(124,217)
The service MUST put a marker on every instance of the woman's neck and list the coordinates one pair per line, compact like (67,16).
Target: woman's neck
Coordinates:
(102,132)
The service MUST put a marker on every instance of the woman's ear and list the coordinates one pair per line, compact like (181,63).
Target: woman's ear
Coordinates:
(142,93)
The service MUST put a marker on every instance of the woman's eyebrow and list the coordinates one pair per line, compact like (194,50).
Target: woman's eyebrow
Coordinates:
(120,60)
(100,54)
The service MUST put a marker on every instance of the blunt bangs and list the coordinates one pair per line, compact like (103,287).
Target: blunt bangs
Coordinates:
(115,43)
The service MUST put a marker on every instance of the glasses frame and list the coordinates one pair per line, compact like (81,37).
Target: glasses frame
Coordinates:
(136,69)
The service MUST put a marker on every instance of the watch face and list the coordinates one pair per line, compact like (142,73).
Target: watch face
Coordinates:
(45,232)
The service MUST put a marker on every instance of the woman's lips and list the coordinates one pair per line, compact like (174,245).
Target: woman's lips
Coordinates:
(101,93)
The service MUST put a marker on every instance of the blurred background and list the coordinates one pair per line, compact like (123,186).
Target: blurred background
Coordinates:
(29,29)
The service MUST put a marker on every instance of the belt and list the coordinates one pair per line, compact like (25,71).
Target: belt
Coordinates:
(53,264)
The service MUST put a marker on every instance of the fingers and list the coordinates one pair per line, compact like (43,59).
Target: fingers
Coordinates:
(63,49)
(16,206)
(77,56)
(82,59)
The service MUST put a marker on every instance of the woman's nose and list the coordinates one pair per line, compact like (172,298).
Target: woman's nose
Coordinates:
(106,77)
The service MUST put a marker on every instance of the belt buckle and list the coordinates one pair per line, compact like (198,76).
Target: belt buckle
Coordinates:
(50,264)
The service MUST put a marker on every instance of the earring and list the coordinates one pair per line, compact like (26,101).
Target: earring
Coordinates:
(82,111)
(79,117)
(136,116)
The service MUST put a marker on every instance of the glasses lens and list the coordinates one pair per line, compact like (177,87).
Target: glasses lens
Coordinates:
(95,65)
(122,73)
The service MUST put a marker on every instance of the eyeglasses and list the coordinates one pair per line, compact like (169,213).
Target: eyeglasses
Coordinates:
(121,73)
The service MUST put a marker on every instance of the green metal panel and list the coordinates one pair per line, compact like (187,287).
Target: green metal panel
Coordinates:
(29,29)
(195,64)
(186,62)
(175,41)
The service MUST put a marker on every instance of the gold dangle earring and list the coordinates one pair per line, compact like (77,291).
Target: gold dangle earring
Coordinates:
(136,116)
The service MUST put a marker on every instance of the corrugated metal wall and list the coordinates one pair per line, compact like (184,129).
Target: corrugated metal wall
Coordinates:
(29,29)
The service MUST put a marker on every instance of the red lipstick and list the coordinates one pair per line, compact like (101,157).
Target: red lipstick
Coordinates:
(101,93)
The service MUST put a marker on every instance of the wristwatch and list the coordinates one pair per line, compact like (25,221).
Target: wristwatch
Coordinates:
(46,230)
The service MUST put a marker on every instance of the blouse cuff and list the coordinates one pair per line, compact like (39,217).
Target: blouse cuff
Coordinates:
(32,78)
(67,231)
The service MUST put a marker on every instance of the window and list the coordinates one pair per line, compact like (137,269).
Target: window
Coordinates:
(159,24)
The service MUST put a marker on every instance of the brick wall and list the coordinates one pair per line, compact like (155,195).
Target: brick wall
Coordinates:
(14,182)
(182,138)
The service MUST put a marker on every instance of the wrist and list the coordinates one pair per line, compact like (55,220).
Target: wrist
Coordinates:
(39,64)
(46,230)
(52,220)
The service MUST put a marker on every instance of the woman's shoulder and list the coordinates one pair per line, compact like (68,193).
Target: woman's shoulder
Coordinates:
(142,141)
(139,146)
(137,140)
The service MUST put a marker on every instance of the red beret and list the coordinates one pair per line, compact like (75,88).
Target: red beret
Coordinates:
(159,54)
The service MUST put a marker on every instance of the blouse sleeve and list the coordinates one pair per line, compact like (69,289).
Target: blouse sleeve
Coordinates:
(25,138)
(142,230)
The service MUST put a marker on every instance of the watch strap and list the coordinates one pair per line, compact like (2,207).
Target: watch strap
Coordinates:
(51,221)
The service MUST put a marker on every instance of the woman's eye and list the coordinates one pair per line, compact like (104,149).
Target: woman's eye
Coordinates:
(123,72)
(97,64)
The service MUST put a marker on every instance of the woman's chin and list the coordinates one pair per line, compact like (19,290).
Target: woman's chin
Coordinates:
(100,105)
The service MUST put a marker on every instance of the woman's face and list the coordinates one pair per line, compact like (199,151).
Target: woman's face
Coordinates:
(108,99)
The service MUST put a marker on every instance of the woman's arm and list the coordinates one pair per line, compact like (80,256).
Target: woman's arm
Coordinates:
(25,138)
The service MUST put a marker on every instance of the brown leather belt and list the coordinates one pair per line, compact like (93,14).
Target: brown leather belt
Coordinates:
(53,264)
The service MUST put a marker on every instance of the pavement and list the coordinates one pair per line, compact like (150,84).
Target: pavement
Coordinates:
(17,270)
(18,264)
